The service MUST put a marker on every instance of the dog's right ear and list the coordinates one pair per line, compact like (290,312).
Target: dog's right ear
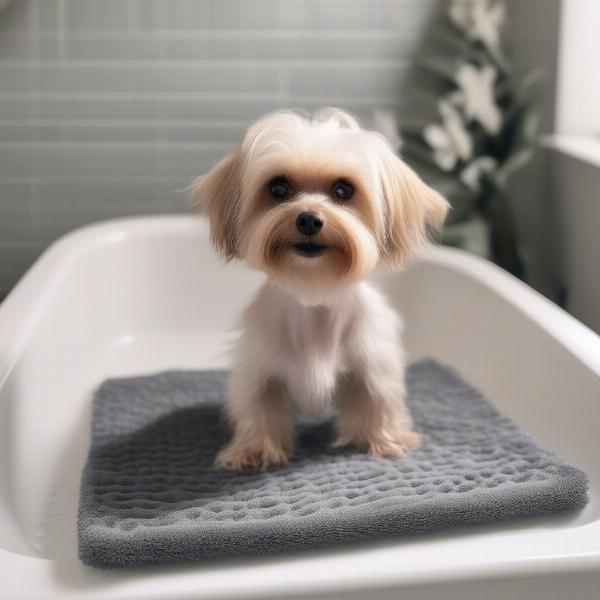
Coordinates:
(217,194)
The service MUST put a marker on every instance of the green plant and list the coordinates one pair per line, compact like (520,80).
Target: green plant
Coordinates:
(485,130)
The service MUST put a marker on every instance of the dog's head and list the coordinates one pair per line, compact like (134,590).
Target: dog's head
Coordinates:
(316,202)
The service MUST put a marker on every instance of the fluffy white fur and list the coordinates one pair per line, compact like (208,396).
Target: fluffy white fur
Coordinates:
(317,337)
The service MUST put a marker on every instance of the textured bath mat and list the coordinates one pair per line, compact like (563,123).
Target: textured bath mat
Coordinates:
(150,494)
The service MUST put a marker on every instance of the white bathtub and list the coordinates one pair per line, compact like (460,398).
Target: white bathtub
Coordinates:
(137,295)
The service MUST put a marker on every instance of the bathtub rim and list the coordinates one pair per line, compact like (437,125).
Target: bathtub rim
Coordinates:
(22,307)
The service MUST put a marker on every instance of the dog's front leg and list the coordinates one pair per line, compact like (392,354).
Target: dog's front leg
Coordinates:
(263,428)
(373,416)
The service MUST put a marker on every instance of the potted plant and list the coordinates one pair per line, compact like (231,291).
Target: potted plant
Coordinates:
(485,129)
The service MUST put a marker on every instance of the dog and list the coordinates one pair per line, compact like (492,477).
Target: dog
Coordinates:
(316,203)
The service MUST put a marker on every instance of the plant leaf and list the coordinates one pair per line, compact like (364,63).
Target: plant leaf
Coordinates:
(498,57)
(528,83)
(472,235)
(411,148)
(441,67)
(524,135)
(512,164)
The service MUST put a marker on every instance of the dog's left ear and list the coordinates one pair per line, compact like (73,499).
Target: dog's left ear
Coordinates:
(411,206)
(217,194)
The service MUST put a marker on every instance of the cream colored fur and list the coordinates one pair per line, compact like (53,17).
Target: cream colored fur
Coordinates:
(317,338)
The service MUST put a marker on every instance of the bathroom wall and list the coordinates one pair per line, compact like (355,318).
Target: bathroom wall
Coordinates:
(534,34)
(111,107)
(574,176)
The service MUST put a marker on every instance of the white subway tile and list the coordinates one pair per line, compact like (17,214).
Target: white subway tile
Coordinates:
(291,46)
(125,130)
(19,16)
(195,78)
(110,15)
(101,197)
(94,159)
(107,78)
(18,45)
(17,106)
(353,80)
(15,200)
(48,14)
(15,259)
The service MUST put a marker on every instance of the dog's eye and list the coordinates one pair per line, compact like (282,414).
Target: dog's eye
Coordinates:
(343,190)
(279,189)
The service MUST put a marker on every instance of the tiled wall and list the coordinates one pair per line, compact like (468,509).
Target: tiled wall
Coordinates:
(108,107)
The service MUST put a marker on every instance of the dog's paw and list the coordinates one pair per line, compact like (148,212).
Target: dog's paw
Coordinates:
(396,444)
(399,444)
(237,457)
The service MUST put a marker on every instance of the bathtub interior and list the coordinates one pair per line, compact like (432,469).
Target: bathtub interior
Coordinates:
(152,298)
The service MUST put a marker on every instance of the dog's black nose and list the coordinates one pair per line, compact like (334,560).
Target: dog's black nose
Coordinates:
(308,223)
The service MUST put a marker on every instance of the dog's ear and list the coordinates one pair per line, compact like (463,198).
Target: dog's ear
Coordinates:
(217,194)
(411,208)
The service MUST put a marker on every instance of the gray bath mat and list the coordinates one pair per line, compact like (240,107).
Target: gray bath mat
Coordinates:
(150,494)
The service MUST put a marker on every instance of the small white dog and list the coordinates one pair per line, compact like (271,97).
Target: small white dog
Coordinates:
(316,203)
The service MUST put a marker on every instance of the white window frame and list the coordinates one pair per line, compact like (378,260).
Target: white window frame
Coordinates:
(578,83)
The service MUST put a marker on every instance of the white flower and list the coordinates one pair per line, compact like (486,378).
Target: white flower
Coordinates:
(456,98)
(477,95)
(450,140)
(471,175)
(480,20)
(384,122)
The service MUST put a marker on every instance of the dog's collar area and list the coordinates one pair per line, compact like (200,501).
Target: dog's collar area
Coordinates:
(309,248)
